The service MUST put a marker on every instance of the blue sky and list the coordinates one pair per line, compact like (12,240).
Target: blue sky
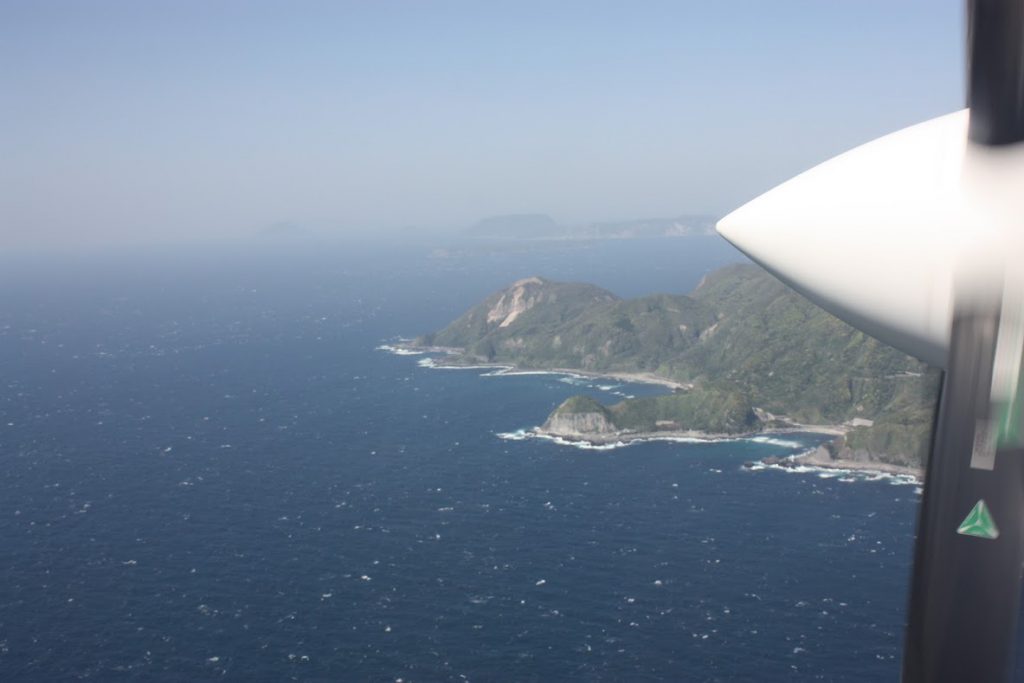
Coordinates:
(141,121)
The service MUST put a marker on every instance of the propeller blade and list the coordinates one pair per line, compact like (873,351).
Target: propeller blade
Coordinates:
(917,238)
(966,585)
(965,588)
(995,88)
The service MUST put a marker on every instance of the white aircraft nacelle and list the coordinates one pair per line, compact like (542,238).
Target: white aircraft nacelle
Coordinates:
(887,235)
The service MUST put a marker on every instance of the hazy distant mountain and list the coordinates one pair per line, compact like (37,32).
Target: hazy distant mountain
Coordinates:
(680,226)
(542,226)
(517,226)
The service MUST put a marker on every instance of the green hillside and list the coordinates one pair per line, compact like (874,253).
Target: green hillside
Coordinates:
(756,354)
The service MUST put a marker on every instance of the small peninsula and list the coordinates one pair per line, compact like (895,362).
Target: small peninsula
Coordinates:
(742,353)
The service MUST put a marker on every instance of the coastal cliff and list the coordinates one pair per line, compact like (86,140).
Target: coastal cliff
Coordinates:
(580,417)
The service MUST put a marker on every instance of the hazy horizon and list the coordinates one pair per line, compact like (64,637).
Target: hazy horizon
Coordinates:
(163,122)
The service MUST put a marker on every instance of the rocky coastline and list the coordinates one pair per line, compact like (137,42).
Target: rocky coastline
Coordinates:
(454,357)
(820,458)
(596,428)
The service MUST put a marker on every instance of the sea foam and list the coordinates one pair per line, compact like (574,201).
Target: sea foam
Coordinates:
(843,475)
(775,441)
(523,434)
(434,365)
(399,351)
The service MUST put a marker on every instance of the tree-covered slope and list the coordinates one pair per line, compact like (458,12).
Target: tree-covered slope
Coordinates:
(526,314)
(750,347)
(789,356)
(544,324)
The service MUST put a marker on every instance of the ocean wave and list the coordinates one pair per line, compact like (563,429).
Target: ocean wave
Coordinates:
(524,434)
(596,382)
(518,435)
(510,371)
(399,351)
(432,364)
(846,476)
(775,441)
(575,380)
(564,376)
(583,445)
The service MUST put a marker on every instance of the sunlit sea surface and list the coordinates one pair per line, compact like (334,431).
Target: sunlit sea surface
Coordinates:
(211,472)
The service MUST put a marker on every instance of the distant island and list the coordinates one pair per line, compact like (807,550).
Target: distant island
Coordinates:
(743,354)
(539,226)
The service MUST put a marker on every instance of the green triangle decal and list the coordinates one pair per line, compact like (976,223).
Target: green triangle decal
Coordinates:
(979,523)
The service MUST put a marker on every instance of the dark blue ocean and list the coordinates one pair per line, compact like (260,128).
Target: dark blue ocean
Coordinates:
(209,472)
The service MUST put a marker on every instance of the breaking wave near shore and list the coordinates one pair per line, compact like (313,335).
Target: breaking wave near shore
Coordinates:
(840,474)
(792,446)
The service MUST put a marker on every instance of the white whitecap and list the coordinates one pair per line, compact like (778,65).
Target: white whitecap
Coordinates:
(399,350)
(775,441)
(843,475)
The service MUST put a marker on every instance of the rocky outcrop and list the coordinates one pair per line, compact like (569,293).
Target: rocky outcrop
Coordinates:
(829,456)
(580,417)
(838,454)
(578,425)
(899,445)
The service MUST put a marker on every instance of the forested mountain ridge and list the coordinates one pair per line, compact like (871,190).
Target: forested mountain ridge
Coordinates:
(751,354)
